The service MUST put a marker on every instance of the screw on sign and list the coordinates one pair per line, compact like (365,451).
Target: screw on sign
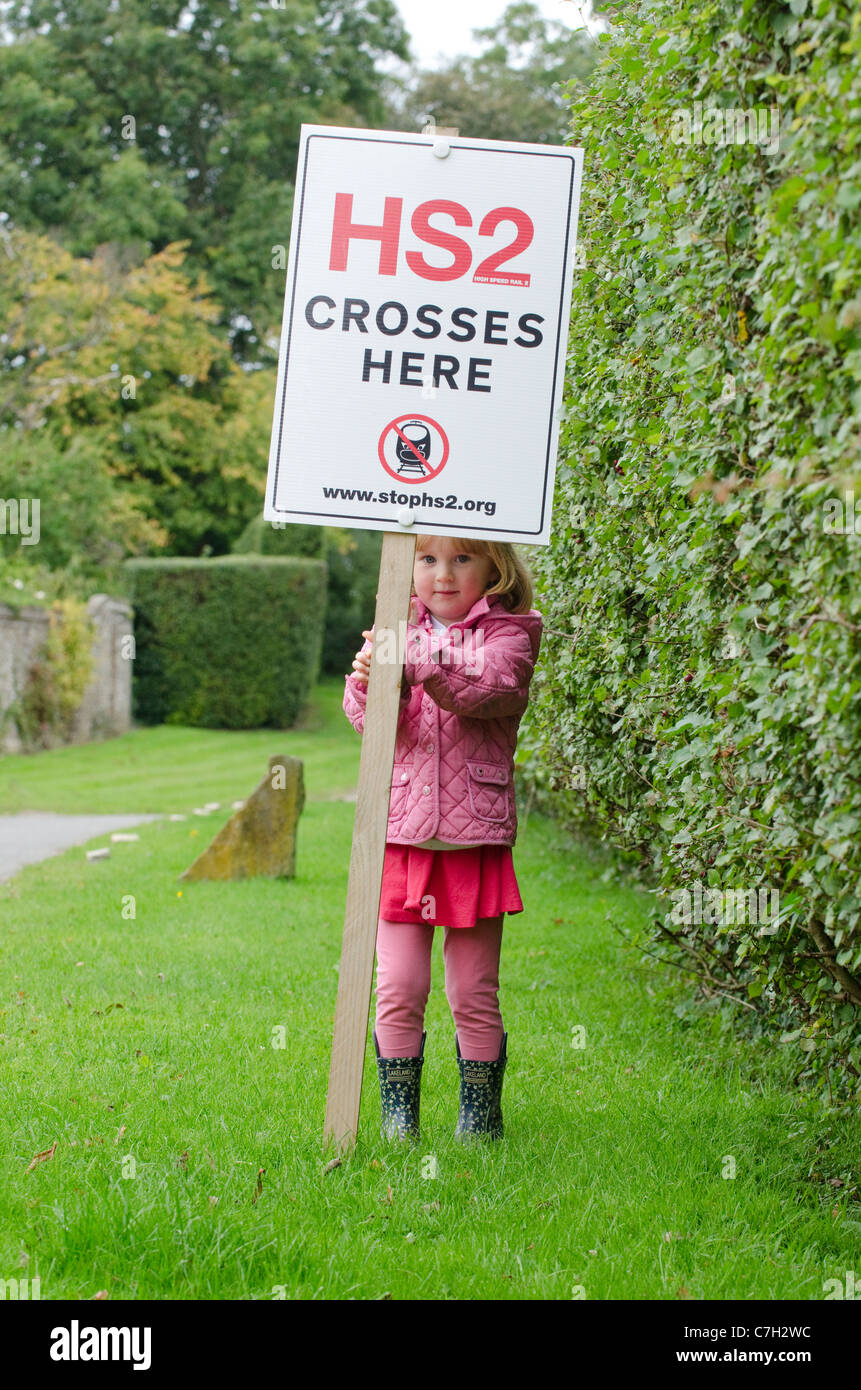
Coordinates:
(413,448)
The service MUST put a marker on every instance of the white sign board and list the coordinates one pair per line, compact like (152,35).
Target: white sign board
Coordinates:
(424,337)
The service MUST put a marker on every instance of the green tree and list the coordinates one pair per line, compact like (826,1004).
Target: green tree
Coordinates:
(150,121)
(513,90)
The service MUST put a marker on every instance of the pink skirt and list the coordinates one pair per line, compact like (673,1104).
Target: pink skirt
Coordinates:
(448,887)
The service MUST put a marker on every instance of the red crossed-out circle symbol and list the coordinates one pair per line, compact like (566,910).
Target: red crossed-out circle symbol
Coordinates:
(413,448)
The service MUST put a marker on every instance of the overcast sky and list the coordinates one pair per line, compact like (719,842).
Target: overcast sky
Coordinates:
(443,27)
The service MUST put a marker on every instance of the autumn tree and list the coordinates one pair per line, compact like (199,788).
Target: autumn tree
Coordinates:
(121,406)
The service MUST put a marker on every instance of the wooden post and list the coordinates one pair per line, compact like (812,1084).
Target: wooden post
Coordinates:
(369,841)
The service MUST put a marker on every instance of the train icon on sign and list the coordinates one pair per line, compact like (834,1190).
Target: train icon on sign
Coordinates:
(414,440)
(413,448)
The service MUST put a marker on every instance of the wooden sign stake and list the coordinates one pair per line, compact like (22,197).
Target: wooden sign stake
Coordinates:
(364,887)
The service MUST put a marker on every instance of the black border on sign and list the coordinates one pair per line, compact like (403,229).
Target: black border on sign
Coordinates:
(386,521)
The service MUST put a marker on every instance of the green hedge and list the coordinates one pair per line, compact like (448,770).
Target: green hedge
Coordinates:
(353,565)
(700,699)
(353,560)
(226,643)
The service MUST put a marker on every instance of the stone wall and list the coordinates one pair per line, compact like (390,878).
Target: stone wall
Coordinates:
(106,705)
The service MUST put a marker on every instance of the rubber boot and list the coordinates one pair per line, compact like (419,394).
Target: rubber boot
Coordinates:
(400,1093)
(480,1112)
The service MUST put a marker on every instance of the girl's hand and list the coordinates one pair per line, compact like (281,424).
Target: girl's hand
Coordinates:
(414,616)
(362,661)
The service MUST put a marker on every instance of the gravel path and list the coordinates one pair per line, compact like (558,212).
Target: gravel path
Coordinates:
(33,835)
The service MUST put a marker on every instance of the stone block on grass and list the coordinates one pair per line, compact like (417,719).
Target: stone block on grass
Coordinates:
(259,840)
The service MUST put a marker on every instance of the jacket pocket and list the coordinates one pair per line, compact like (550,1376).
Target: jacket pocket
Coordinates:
(489,795)
(401,776)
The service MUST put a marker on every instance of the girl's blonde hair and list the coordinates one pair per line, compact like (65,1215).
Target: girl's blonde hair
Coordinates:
(513,582)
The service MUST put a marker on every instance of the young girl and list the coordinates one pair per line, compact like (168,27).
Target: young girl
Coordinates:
(471,646)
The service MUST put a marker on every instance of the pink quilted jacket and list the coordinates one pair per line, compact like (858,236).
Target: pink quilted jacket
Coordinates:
(453,776)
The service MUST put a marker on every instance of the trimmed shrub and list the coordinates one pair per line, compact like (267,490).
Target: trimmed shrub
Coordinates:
(231,642)
(701,590)
(353,565)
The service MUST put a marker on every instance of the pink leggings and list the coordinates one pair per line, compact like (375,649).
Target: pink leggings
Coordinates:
(471,957)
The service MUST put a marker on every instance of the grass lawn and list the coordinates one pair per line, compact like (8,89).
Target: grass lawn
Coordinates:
(137,1022)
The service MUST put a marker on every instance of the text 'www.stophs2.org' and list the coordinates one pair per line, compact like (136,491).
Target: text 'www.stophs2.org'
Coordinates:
(404,499)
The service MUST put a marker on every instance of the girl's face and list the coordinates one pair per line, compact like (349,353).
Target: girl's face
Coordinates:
(449,580)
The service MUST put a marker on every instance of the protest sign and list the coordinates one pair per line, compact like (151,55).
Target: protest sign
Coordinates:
(424,334)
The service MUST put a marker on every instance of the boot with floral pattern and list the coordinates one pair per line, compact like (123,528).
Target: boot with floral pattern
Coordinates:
(400,1093)
(480,1112)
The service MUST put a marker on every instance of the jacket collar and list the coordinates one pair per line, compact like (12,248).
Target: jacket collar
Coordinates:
(532,622)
